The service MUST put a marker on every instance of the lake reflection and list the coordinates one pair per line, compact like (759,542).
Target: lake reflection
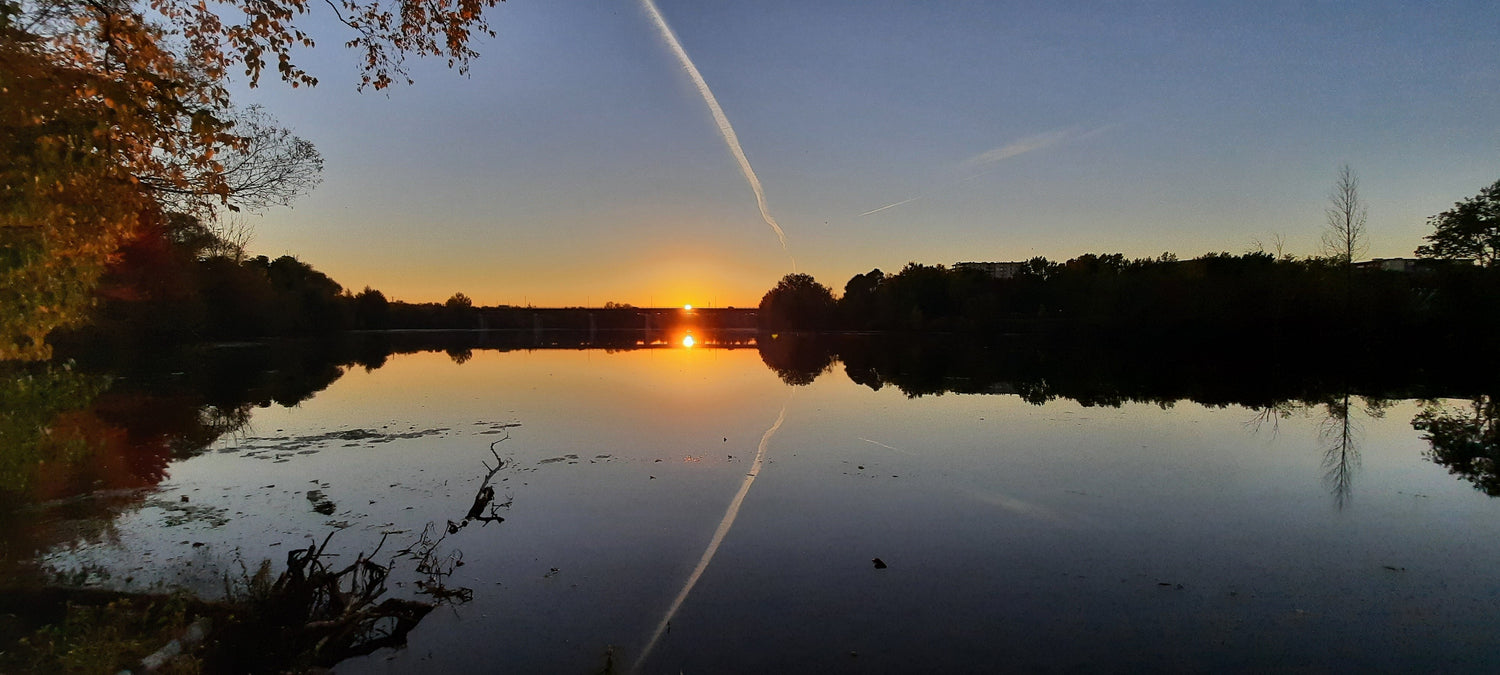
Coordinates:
(1058,522)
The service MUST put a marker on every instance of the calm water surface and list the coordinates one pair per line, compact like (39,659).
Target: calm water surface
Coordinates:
(1016,536)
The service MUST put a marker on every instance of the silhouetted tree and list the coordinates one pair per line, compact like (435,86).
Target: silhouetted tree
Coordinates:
(371,309)
(458,312)
(860,302)
(309,298)
(459,301)
(797,301)
(1471,229)
(1344,238)
(918,296)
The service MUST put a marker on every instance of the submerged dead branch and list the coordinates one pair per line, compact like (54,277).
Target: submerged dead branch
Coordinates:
(436,567)
(318,614)
(485,496)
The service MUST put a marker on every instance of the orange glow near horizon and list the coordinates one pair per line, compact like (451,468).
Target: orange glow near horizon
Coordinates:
(656,279)
(688,341)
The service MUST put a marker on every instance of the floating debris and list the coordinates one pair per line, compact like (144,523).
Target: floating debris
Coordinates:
(179,513)
(303,445)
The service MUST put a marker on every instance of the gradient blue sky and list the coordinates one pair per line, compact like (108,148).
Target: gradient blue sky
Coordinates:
(578,164)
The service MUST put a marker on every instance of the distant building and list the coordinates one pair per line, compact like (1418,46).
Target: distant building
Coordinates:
(1407,265)
(998,270)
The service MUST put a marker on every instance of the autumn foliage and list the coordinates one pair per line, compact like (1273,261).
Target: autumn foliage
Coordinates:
(113,115)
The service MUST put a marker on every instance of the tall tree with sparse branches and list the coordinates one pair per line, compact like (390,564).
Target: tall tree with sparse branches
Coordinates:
(1345,238)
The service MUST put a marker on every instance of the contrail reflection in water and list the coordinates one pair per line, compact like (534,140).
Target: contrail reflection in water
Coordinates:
(718,538)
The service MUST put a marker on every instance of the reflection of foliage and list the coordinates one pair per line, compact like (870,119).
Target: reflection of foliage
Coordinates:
(68,430)
(33,399)
(1111,374)
(796,359)
(1271,414)
(1338,434)
(1466,439)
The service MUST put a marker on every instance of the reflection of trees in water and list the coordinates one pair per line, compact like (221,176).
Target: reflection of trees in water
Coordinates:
(77,445)
(1098,374)
(1466,439)
(1271,415)
(1339,435)
(797,359)
(32,400)
(1463,438)
(64,433)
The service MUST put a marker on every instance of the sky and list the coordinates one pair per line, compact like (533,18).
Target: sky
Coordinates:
(578,161)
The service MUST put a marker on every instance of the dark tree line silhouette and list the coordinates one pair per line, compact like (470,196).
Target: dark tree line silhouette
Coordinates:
(1216,301)
(180,284)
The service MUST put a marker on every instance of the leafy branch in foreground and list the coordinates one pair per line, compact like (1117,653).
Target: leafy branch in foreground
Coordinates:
(113,114)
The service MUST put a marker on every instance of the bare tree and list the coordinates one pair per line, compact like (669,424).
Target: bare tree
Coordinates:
(266,166)
(234,234)
(1345,237)
(1276,246)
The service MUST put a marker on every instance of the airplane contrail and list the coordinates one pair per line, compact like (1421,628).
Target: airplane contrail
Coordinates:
(725,129)
(891,206)
(920,195)
(1015,148)
(713,545)
(888,447)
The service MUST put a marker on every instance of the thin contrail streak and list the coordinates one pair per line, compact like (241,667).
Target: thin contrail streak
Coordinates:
(1015,148)
(725,129)
(920,195)
(718,538)
(891,206)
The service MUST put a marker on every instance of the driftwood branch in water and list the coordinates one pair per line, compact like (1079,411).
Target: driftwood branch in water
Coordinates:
(484,498)
(315,614)
(425,549)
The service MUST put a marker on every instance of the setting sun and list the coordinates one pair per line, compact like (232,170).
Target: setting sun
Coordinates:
(688,341)
(688,307)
